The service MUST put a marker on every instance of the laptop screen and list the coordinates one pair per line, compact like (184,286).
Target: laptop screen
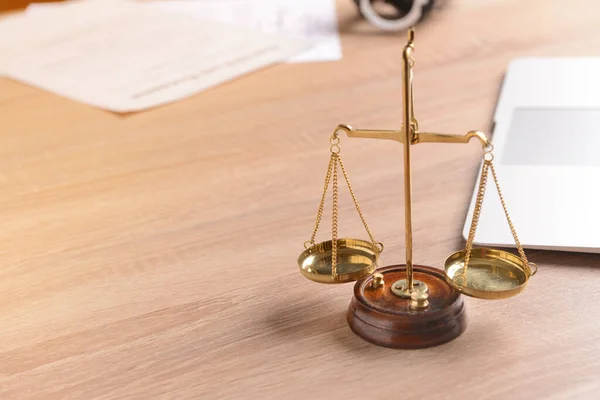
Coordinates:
(546,136)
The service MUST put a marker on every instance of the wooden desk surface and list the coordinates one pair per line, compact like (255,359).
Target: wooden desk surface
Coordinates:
(11,5)
(153,255)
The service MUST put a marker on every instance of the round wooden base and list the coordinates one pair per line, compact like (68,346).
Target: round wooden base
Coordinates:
(385,319)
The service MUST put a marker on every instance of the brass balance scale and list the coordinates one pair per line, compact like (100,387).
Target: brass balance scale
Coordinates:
(411,306)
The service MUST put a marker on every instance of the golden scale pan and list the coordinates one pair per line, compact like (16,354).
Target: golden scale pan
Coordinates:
(338,260)
(483,273)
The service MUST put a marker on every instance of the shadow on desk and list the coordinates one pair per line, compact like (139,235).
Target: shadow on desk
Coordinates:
(317,319)
(304,317)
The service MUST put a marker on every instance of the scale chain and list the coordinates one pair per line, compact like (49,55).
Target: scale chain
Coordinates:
(332,171)
(510,224)
(476,213)
(487,166)
(358,209)
(322,203)
(334,218)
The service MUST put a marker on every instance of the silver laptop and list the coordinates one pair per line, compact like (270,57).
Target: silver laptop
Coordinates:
(547,155)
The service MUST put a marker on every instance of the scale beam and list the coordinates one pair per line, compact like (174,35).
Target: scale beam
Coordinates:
(371,133)
(427,137)
(420,137)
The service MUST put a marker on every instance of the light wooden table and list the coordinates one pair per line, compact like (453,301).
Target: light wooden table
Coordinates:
(153,255)
(11,5)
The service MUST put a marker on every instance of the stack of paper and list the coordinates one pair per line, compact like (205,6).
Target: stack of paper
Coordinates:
(305,19)
(314,20)
(125,56)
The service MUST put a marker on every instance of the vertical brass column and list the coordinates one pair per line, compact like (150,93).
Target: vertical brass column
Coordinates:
(408,139)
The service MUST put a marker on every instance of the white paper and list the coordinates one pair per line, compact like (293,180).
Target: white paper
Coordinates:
(129,57)
(314,20)
(10,27)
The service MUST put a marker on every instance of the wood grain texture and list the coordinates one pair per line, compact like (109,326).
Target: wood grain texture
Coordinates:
(153,255)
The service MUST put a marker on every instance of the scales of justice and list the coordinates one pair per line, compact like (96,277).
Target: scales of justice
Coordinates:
(411,306)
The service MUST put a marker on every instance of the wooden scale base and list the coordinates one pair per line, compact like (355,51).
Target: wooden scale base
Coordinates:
(383,318)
